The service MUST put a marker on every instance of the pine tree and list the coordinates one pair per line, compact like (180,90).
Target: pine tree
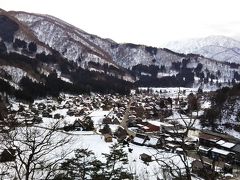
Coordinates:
(83,166)
(116,161)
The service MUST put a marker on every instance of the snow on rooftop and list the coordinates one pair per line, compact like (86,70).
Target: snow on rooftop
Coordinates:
(228,145)
(220,142)
(171,145)
(138,140)
(202,148)
(220,151)
(152,141)
(69,120)
(225,144)
(98,115)
(145,127)
(62,112)
(158,123)
(169,139)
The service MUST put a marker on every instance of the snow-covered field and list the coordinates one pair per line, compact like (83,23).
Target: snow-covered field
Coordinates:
(96,143)
(172,92)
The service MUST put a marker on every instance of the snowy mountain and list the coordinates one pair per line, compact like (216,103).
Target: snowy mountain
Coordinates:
(220,48)
(45,49)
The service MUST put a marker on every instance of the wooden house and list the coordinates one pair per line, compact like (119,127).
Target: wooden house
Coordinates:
(222,155)
(121,133)
(77,125)
(208,140)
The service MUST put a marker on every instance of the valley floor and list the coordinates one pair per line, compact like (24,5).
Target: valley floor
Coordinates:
(147,117)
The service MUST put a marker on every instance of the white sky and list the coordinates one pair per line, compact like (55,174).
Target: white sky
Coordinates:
(150,22)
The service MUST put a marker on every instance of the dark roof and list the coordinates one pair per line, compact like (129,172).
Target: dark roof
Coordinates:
(144,155)
(209,137)
(236,148)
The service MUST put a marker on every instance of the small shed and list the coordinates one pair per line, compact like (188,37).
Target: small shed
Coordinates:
(203,150)
(145,157)
(108,138)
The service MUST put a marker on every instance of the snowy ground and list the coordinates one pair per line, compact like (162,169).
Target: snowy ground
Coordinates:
(95,142)
(98,115)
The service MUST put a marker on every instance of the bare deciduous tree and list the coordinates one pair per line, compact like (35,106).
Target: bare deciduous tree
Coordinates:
(178,164)
(38,151)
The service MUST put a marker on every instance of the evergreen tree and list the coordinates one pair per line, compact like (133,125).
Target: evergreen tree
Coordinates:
(83,166)
(116,161)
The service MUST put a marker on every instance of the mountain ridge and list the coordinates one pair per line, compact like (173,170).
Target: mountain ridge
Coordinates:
(217,47)
(77,57)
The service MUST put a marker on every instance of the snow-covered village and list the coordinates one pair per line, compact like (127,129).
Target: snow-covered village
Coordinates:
(119,90)
(156,133)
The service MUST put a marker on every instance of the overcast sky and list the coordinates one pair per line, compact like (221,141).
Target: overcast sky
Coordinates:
(151,22)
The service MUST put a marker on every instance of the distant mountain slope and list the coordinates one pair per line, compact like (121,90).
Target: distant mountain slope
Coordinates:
(43,49)
(220,48)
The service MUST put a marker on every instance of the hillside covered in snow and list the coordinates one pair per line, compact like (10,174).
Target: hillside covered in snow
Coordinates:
(41,54)
(220,48)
